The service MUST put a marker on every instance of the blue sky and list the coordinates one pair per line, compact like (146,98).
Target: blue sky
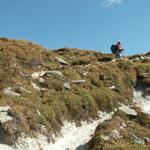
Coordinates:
(85,24)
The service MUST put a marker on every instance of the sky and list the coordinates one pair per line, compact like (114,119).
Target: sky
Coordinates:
(84,24)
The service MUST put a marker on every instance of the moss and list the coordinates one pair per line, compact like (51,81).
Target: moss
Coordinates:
(105,101)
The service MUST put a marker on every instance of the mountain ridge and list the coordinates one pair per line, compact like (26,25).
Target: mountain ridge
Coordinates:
(43,88)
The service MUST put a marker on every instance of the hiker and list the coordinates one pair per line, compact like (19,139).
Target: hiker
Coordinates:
(117,49)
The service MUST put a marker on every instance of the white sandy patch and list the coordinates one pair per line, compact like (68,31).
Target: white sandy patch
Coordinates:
(71,137)
(5,147)
(142,102)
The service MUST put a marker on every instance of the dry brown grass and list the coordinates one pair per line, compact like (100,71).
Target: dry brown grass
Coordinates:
(18,59)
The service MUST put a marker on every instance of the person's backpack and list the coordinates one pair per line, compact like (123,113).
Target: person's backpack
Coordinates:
(113,48)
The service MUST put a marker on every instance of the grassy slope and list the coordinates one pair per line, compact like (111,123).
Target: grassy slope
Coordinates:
(19,59)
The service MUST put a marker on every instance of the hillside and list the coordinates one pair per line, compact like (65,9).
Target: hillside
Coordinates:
(42,89)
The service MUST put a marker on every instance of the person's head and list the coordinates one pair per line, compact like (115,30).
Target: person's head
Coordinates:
(119,42)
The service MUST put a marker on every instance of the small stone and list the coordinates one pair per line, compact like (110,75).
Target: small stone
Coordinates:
(78,81)
(128,110)
(4,117)
(9,91)
(41,80)
(67,85)
(38,112)
(123,124)
(105,138)
(39,74)
(62,61)
(37,88)
(137,140)
(85,73)
(112,87)
(147,140)
(24,90)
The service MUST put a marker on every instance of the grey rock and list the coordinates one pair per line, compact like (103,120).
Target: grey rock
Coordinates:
(78,81)
(38,112)
(41,80)
(67,85)
(147,140)
(128,110)
(55,73)
(137,140)
(40,74)
(146,59)
(23,90)
(37,88)
(4,117)
(9,91)
(112,87)
(62,61)
(105,138)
